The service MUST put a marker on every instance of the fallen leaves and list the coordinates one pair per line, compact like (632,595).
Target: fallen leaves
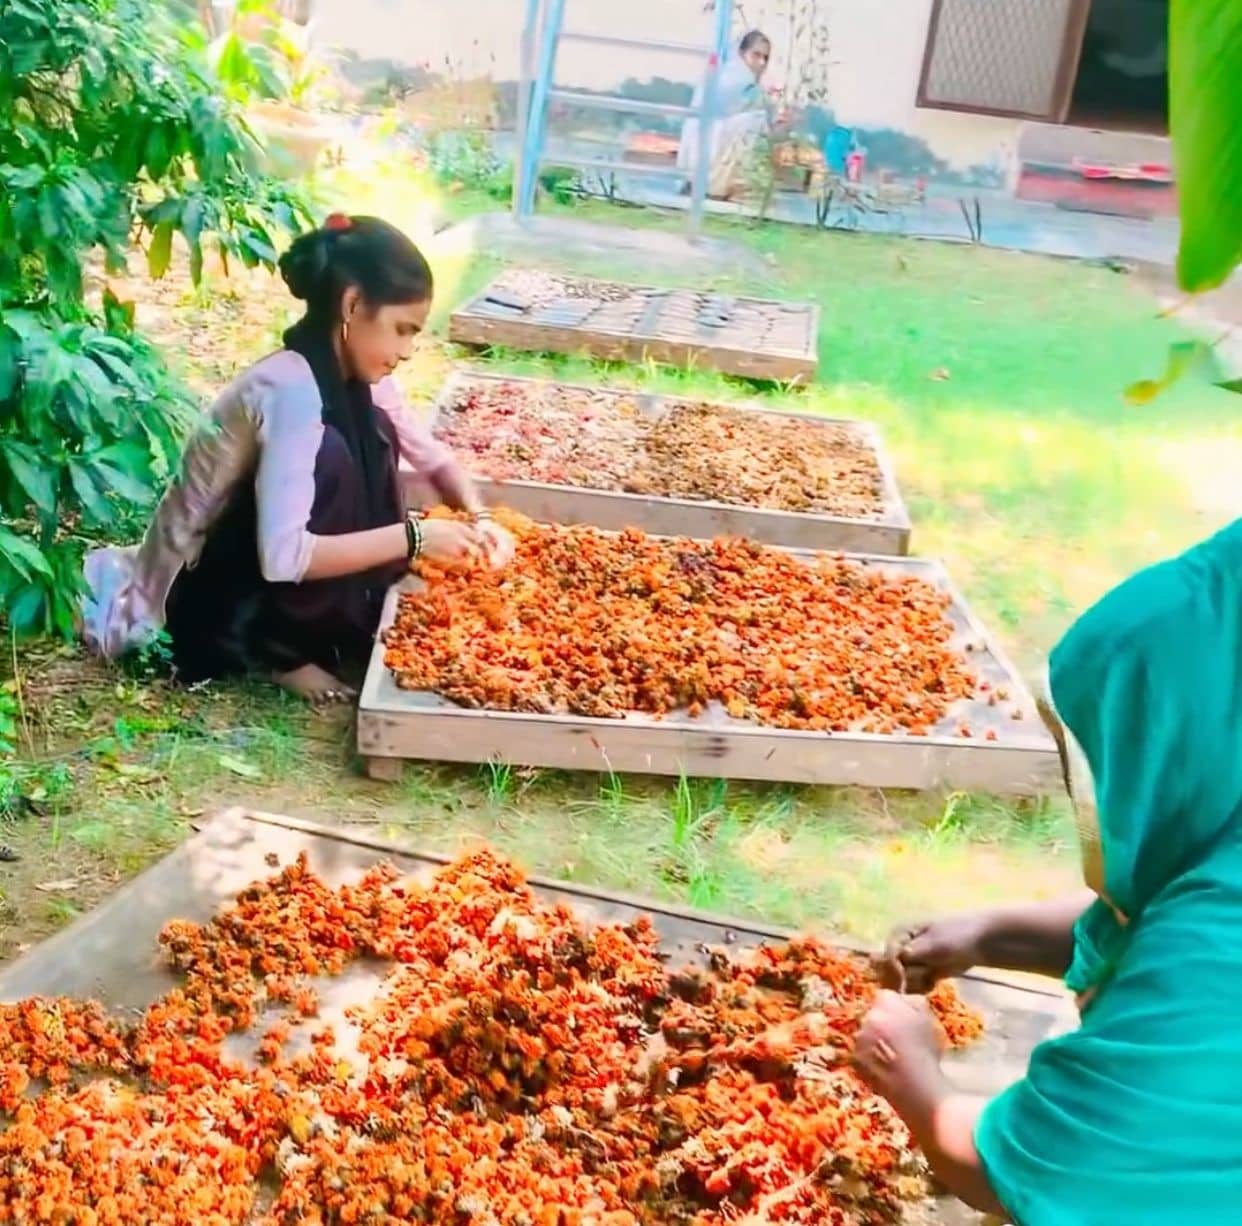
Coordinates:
(602,624)
(516,1068)
(240,767)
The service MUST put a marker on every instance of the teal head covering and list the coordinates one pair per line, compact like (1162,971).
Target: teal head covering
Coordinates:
(1134,1118)
(1149,684)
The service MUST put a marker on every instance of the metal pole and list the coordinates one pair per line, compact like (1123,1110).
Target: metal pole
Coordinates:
(537,124)
(698,194)
(530,30)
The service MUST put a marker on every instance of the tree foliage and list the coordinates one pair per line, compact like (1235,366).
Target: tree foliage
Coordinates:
(113,128)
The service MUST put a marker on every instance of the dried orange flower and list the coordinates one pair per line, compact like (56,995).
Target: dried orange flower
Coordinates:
(517,1069)
(601,624)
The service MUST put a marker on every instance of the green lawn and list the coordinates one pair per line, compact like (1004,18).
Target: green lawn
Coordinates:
(997,382)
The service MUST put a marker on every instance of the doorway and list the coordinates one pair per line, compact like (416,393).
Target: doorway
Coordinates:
(1123,71)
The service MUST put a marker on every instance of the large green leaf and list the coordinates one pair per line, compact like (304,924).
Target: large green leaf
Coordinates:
(1205,119)
(23,555)
(10,356)
(125,468)
(95,506)
(36,474)
(159,254)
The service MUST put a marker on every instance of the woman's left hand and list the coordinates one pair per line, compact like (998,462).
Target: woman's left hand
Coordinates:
(897,1050)
(498,544)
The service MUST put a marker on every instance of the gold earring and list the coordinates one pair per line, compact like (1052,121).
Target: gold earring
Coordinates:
(344,331)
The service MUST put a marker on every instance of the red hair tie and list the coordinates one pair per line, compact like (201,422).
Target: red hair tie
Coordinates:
(338,221)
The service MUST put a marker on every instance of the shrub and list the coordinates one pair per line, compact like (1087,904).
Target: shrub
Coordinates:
(112,128)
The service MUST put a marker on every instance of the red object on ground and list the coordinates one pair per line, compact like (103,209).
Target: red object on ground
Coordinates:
(1144,197)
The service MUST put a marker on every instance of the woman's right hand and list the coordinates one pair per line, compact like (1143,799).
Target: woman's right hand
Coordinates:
(450,541)
(918,956)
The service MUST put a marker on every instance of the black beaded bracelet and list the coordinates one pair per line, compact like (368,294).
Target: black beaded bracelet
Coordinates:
(413,534)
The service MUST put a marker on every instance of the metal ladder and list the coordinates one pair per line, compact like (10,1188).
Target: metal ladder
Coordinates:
(542,35)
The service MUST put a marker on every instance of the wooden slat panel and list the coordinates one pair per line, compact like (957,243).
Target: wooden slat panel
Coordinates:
(762,339)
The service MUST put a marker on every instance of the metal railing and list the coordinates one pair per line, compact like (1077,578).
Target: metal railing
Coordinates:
(542,33)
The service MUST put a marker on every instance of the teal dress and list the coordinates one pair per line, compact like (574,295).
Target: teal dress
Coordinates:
(1135,1119)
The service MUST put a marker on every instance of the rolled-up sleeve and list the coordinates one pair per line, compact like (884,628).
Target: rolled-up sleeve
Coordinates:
(420,449)
(290,434)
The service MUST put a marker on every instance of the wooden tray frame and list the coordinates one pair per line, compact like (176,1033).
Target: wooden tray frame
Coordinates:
(483,326)
(396,725)
(616,510)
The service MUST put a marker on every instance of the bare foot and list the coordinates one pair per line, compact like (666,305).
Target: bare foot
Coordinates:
(315,685)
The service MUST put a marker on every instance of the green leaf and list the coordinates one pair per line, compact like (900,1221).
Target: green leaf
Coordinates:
(23,555)
(240,767)
(259,246)
(1183,357)
(49,219)
(1231,385)
(125,469)
(192,219)
(26,610)
(196,263)
(94,505)
(157,153)
(1205,122)
(36,474)
(10,356)
(159,254)
(118,315)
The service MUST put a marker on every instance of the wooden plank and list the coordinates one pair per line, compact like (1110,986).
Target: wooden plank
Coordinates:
(1021,761)
(888,533)
(656,332)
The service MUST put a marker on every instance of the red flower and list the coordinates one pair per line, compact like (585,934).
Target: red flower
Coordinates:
(338,221)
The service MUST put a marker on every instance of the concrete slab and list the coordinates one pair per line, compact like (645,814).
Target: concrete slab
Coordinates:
(649,253)
(1008,223)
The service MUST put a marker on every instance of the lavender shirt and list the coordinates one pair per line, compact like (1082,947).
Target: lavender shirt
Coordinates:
(266,427)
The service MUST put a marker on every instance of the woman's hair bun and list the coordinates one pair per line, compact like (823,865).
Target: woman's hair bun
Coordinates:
(363,252)
(307,264)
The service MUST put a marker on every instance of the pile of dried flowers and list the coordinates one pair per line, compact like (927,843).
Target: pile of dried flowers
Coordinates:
(601,624)
(601,439)
(515,1069)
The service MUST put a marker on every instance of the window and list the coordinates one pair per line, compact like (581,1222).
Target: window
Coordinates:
(1003,57)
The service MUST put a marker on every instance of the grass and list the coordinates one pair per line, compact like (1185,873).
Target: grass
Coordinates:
(996,380)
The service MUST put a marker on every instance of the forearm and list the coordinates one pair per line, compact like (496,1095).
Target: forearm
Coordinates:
(353,553)
(456,489)
(943,1126)
(1037,937)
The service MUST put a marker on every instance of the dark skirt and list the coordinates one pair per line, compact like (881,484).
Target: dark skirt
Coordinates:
(225,619)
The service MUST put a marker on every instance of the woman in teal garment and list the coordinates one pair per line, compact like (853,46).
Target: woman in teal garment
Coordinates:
(1136,1116)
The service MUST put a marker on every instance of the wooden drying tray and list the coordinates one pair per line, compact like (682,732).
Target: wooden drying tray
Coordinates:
(396,724)
(111,953)
(887,533)
(661,325)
